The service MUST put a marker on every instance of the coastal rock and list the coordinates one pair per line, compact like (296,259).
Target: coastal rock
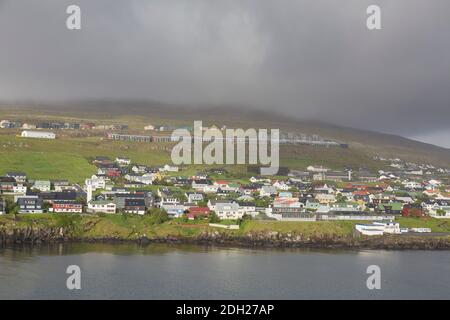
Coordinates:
(252,239)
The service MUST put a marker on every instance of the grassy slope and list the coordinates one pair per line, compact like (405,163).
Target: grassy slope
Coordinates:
(68,158)
(133,227)
(436,225)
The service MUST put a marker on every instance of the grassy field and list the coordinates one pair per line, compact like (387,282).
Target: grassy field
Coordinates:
(316,228)
(299,157)
(67,157)
(436,225)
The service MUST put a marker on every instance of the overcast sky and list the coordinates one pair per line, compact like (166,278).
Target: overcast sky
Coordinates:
(305,58)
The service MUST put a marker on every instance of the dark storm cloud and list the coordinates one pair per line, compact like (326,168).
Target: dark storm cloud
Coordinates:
(310,59)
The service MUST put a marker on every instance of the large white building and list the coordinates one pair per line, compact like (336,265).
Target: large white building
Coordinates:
(38,134)
(101,206)
(379,228)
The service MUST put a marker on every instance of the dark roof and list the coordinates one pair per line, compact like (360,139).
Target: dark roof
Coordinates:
(35,201)
(214,202)
(62,196)
(66,202)
(134,203)
(120,189)
(16,173)
(203,181)
(129,195)
(246,204)
(336,173)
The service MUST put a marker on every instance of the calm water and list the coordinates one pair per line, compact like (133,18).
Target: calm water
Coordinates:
(196,272)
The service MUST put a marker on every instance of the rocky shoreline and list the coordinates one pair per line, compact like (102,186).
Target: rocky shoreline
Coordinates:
(250,240)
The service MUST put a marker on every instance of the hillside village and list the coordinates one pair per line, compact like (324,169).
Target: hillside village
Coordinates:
(316,194)
(151,133)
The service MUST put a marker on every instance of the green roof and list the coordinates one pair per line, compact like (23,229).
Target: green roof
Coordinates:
(397,206)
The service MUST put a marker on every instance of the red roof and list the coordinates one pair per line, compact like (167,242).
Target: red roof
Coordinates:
(222,182)
(360,193)
(199,210)
(357,186)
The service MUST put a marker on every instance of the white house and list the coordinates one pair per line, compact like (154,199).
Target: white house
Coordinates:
(146,178)
(325,198)
(123,161)
(324,189)
(139,169)
(97,182)
(259,180)
(173,210)
(42,185)
(63,185)
(407,200)
(267,191)
(5,124)
(167,168)
(247,207)
(228,210)
(212,204)
(434,208)
(194,196)
(201,184)
(28,126)
(412,184)
(210,189)
(433,184)
(281,185)
(19,189)
(317,169)
(38,134)
(101,206)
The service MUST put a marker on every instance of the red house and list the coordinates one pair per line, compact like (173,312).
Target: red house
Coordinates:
(113,173)
(198,212)
(67,207)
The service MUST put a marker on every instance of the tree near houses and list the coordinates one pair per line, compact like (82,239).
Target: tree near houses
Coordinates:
(413,211)
(214,218)
(341,198)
